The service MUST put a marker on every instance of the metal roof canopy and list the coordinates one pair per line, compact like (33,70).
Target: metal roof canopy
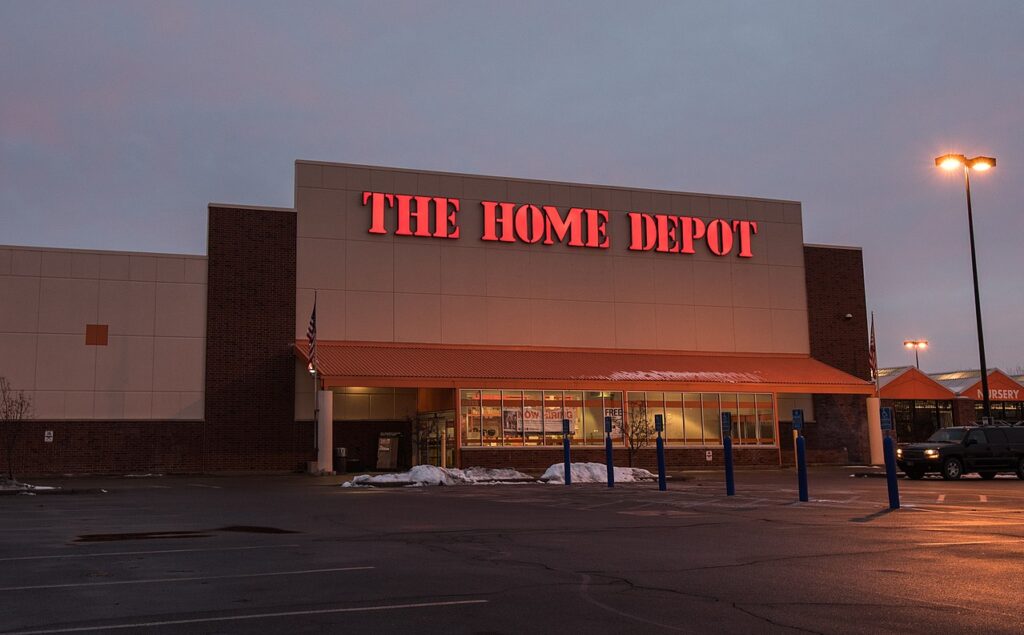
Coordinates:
(440,366)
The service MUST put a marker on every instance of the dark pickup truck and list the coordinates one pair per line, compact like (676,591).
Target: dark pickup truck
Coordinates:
(953,452)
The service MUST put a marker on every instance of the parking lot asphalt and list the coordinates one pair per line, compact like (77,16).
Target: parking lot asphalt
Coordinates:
(298,554)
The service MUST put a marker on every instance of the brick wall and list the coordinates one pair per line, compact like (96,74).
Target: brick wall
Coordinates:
(250,366)
(835,288)
(539,459)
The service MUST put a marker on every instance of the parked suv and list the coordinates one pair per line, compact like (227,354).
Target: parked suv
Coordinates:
(953,452)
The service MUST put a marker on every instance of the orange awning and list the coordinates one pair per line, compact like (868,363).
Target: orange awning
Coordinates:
(440,366)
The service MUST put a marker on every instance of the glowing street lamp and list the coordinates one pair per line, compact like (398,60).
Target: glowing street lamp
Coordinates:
(917,345)
(980,164)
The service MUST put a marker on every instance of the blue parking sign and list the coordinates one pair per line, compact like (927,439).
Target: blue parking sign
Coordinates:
(726,423)
(887,418)
(798,419)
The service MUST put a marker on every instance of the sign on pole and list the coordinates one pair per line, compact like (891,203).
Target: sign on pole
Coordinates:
(798,419)
(886,418)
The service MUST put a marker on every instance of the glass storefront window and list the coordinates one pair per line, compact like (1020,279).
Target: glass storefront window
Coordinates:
(574,413)
(491,411)
(674,432)
(692,415)
(593,418)
(513,418)
(470,417)
(533,417)
(712,418)
(765,420)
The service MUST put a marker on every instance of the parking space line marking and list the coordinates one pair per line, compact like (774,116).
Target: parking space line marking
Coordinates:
(188,579)
(256,616)
(983,498)
(142,553)
(942,498)
(204,485)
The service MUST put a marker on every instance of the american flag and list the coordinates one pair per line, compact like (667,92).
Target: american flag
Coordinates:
(311,336)
(872,351)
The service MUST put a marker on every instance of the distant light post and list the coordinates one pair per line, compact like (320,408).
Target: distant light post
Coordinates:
(981,164)
(917,345)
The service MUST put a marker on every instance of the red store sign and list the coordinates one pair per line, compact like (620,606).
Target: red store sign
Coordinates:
(436,217)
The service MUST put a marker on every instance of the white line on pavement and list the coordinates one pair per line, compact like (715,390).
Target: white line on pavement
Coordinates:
(257,616)
(204,485)
(141,553)
(942,498)
(189,579)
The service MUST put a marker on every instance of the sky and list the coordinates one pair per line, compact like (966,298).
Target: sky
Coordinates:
(120,121)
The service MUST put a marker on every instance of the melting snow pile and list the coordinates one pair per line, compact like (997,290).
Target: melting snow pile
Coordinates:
(595,473)
(431,475)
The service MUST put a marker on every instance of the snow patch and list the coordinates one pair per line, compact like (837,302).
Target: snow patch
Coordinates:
(432,475)
(595,473)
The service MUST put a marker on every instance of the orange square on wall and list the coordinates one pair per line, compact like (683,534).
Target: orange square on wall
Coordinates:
(95,334)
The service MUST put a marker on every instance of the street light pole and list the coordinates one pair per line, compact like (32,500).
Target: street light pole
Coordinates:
(951,162)
(977,299)
(917,345)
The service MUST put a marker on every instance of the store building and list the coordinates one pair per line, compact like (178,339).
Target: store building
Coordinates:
(460,319)
(924,403)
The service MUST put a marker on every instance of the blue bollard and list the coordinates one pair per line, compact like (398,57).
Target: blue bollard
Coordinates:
(608,457)
(801,467)
(890,472)
(659,425)
(730,480)
(565,452)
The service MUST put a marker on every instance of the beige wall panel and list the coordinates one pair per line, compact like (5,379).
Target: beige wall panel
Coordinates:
(382,180)
(789,331)
(405,183)
(675,327)
(635,325)
(309,174)
(138,405)
(382,406)
(793,213)
(142,268)
(322,210)
(125,364)
(191,406)
(320,263)
(25,262)
(48,404)
(751,286)
(712,284)
(484,189)
(66,305)
(85,265)
(508,273)
(714,326)
(562,275)
(787,244)
(417,267)
(357,216)
(463,271)
(471,224)
(178,363)
(634,279)
(753,327)
(369,316)
(463,319)
(115,267)
(355,407)
(166,405)
(673,280)
(417,317)
(195,270)
(170,270)
(330,314)
(64,362)
(180,309)
(508,320)
(128,308)
(18,360)
(573,323)
(19,309)
(529,192)
(5,262)
(788,288)
(108,405)
(369,266)
(79,404)
(55,264)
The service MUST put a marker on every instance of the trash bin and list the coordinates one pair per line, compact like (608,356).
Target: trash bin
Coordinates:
(340,458)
